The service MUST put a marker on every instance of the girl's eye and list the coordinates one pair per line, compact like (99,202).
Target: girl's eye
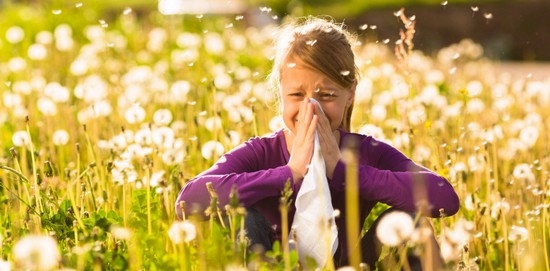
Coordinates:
(327,94)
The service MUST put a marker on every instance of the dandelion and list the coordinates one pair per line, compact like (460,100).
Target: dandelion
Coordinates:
(378,112)
(21,139)
(529,135)
(474,88)
(46,106)
(36,252)
(17,64)
(372,130)
(44,37)
(56,92)
(499,208)
(163,137)
(518,233)
(60,138)
(213,43)
(123,171)
(15,34)
(212,149)
(182,231)
(162,117)
(395,228)
(188,40)
(120,233)
(223,81)
(37,51)
(213,123)
(454,239)
(12,100)
(135,114)
(179,91)
(523,172)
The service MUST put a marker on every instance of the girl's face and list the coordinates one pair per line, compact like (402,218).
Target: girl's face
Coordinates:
(299,81)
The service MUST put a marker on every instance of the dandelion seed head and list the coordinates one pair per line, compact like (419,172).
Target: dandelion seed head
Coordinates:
(182,231)
(36,252)
(162,117)
(17,64)
(15,34)
(119,232)
(21,139)
(395,228)
(212,149)
(135,114)
(60,137)
(37,51)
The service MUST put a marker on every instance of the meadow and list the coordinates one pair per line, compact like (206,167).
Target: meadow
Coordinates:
(104,118)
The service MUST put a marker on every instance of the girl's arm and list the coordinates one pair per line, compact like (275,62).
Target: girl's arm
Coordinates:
(386,175)
(242,167)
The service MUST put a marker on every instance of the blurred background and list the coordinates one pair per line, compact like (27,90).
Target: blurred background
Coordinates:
(508,30)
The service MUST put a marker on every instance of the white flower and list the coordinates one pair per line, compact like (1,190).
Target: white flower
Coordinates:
(523,172)
(46,106)
(378,112)
(179,90)
(15,34)
(119,232)
(5,265)
(162,117)
(223,81)
(395,228)
(518,233)
(213,123)
(37,51)
(17,64)
(36,252)
(182,231)
(499,208)
(474,88)
(44,37)
(529,135)
(453,240)
(212,149)
(56,92)
(21,139)
(213,43)
(135,114)
(60,138)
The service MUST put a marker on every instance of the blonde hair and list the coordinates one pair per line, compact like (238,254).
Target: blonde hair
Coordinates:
(323,45)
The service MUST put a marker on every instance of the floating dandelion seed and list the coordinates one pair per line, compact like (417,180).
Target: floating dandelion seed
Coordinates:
(488,15)
(444,3)
(364,27)
(345,73)
(398,13)
(395,228)
(103,23)
(239,17)
(229,25)
(386,41)
(78,5)
(291,65)
(56,11)
(311,42)
(265,9)
(474,8)
(182,231)
(373,27)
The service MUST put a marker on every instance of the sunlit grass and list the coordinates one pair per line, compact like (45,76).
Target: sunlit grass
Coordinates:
(104,121)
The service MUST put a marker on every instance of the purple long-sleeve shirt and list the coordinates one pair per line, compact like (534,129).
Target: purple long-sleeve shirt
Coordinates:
(259,170)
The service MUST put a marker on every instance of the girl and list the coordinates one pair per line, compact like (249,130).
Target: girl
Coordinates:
(314,60)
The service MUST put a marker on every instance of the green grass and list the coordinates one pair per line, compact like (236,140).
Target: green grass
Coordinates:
(107,194)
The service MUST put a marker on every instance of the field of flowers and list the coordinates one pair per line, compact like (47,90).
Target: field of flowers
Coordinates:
(103,119)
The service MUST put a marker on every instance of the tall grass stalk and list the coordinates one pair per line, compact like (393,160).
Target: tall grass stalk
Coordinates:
(352,204)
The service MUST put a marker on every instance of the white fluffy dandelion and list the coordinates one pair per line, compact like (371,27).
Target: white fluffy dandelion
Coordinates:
(134,114)
(182,231)
(212,149)
(36,252)
(395,228)
(15,34)
(518,234)
(60,137)
(21,139)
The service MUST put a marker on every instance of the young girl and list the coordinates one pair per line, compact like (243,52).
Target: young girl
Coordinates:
(314,60)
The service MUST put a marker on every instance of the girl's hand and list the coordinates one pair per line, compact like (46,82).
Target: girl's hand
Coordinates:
(328,139)
(302,143)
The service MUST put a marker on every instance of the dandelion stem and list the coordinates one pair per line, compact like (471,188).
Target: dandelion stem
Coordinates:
(352,205)
(34,171)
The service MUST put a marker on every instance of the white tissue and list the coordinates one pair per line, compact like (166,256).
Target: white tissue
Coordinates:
(314,224)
